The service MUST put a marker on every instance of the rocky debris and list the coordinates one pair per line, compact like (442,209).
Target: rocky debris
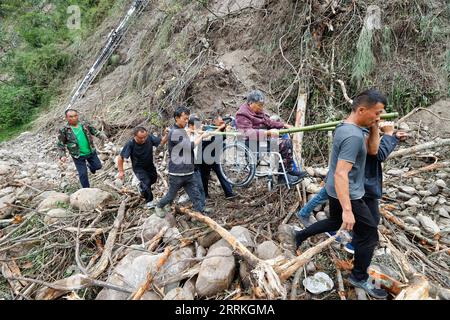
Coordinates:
(407,189)
(413,202)
(321,216)
(216,272)
(267,250)
(244,236)
(56,215)
(209,239)
(172,236)
(428,224)
(5,168)
(153,224)
(89,198)
(53,201)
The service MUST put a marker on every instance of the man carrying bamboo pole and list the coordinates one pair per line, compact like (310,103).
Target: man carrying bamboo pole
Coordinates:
(345,186)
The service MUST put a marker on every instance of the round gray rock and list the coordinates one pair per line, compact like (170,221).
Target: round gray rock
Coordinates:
(267,250)
(87,199)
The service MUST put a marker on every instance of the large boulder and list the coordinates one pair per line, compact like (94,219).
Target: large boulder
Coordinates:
(267,250)
(216,272)
(53,201)
(428,224)
(153,224)
(132,271)
(172,236)
(209,239)
(89,198)
(56,215)
(244,236)
(178,262)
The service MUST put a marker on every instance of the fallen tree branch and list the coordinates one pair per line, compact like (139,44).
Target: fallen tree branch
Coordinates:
(153,243)
(430,167)
(420,147)
(101,265)
(150,275)
(49,293)
(75,282)
(287,269)
(424,109)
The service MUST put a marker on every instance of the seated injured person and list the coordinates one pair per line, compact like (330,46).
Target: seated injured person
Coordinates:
(257,126)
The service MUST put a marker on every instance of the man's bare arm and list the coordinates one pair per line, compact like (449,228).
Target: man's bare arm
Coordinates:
(120,167)
(341,184)
(373,141)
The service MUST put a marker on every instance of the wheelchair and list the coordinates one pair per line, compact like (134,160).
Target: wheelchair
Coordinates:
(239,164)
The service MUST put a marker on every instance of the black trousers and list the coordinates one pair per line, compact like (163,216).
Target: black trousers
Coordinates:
(82,163)
(147,177)
(205,171)
(365,232)
(190,184)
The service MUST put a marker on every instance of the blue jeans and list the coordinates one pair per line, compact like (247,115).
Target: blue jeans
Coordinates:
(189,184)
(94,164)
(318,199)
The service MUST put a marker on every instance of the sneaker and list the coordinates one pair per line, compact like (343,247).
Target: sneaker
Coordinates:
(160,212)
(368,286)
(298,238)
(299,174)
(293,180)
(231,196)
(90,169)
(332,234)
(207,211)
(349,248)
(150,205)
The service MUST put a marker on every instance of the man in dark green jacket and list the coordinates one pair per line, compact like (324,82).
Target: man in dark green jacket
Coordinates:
(77,137)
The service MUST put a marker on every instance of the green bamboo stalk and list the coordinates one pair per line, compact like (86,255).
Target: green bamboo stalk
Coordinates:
(327,126)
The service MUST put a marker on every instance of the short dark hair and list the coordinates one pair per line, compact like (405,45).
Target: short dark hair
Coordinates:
(180,110)
(139,129)
(68,110)
(193,119)
(369,98)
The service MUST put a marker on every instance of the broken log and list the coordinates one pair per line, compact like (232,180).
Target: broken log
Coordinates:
(287,269)
(430,167)
(420,147)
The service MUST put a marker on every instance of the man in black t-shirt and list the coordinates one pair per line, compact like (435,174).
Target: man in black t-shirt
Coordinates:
(140,150)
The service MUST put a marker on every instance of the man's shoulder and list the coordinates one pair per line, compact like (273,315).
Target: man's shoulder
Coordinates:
(348,129)
(64,128)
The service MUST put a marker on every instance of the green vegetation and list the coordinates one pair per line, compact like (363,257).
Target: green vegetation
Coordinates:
(35,54)
(364,60)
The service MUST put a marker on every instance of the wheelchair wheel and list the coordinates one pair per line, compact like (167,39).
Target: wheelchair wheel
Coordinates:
(237,164)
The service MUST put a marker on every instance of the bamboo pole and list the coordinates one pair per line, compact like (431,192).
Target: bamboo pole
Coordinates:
(324,126)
